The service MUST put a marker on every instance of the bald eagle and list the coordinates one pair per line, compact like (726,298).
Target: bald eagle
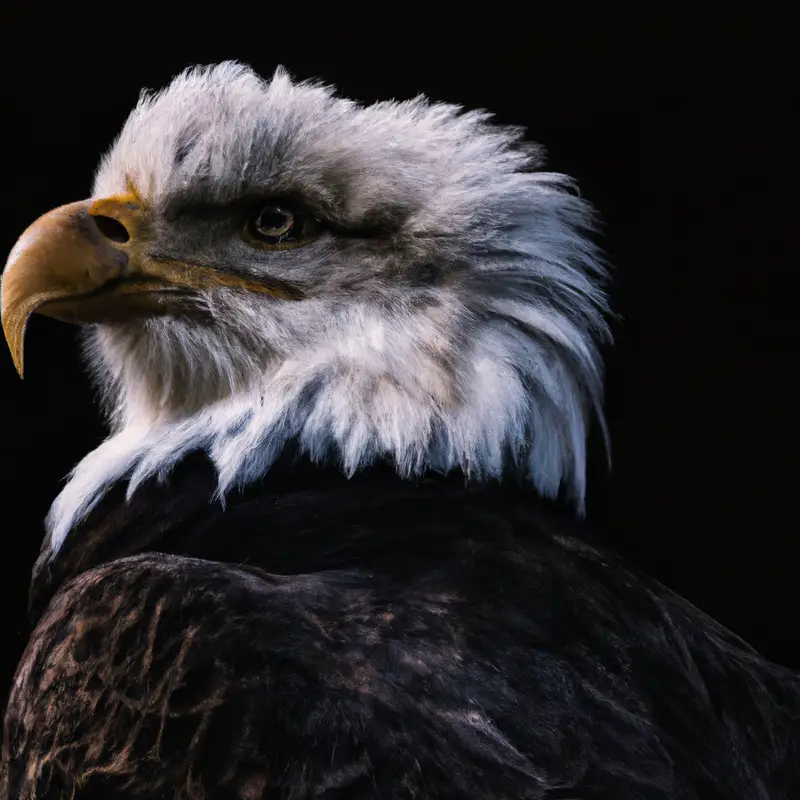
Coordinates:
(349,356)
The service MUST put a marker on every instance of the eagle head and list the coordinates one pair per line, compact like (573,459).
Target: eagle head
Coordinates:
(264,262)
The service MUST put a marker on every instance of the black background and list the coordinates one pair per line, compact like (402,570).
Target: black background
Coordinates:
(699,199)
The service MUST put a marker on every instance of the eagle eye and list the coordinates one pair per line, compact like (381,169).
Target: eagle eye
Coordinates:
(277,225)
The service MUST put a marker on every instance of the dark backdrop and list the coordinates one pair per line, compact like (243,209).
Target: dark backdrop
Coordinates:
(698,196)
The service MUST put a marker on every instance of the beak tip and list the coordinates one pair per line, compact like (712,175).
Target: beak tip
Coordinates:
(16,357)
(14,331)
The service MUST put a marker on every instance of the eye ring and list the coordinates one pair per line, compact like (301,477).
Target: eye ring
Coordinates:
(276,225)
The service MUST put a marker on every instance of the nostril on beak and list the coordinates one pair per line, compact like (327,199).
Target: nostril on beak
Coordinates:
(111,228)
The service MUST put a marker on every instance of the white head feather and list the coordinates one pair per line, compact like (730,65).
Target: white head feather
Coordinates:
(463,333)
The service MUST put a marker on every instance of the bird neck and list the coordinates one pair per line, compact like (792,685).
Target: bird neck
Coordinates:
(499,393)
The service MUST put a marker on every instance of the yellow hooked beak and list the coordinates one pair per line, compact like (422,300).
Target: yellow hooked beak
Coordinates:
(87,262)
